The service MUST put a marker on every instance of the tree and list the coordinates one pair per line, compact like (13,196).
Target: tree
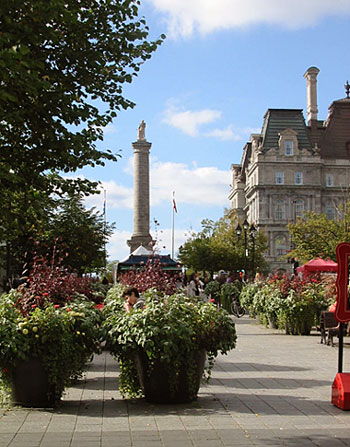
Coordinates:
(63,66)
(317,236)
(217,247)
(80,233)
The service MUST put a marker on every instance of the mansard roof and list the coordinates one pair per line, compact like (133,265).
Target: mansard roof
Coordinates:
(335,141)
(277,120)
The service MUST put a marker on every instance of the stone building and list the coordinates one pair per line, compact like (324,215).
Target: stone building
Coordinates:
(292,167)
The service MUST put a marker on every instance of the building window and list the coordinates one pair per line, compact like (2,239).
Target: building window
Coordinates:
(329,180)
(279,210)
(298,178)
(279,178)
(298,208)
(288,147)
(330,212)
(280,246)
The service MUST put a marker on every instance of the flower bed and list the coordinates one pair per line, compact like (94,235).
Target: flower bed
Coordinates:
(293,305)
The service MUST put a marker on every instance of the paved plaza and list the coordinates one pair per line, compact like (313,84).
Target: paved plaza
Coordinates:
(272,390)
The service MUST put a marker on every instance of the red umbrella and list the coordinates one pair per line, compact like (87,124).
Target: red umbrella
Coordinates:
(319,265)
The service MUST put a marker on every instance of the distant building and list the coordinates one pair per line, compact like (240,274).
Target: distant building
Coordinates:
(292,167)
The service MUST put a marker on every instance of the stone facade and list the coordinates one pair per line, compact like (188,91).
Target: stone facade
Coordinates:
(141,223)
(292,167)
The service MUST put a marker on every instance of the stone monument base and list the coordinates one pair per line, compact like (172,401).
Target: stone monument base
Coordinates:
(135,241)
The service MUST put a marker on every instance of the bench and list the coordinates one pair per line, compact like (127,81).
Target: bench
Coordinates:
(329,327)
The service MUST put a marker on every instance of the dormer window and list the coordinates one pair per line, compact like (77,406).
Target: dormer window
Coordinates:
(288,142)
(288,147)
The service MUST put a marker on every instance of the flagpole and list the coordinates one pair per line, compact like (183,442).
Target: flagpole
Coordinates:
(105,225)
(173,226)
(172,234)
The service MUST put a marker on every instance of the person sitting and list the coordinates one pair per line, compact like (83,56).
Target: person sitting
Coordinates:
(131,296)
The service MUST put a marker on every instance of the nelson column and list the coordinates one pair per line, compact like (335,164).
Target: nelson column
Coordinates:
(141,234)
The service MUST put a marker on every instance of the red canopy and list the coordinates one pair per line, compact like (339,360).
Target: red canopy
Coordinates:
(319,265)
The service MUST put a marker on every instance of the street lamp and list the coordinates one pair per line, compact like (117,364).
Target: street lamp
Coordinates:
(245,228)
(252,231)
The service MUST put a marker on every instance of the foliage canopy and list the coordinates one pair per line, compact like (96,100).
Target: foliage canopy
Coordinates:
(218,247)
(317,236)
(63,66)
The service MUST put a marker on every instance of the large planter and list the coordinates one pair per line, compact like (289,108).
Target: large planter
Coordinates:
(31,386)
(156,384)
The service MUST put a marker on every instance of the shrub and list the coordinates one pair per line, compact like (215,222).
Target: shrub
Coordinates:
(172,329)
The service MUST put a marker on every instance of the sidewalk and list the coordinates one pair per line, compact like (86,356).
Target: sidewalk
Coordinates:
(272,390)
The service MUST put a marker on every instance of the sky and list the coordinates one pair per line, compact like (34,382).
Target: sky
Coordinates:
(202,94)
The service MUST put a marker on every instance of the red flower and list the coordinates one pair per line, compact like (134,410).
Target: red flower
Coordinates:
(69,309)
(45,294)
(56,306)
(99,306)
(5,370)
(212,300)
(34,306)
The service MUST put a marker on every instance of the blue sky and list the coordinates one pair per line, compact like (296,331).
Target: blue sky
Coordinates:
(205,90)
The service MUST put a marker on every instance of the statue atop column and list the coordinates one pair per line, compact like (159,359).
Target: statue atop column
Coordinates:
(141,131)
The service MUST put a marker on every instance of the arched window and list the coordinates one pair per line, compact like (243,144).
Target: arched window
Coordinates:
(280,212)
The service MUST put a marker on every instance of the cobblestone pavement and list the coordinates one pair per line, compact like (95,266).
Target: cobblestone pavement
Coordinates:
(272,390)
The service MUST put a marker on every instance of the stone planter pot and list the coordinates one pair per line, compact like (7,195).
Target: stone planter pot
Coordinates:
(31,386)
(155,384)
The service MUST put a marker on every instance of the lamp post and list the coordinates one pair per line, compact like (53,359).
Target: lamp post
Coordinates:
(252,231)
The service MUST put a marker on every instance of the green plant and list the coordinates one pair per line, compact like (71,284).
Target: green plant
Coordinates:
(301,308)
(212,289)
(62,337)
(248,295)
(172,329)
(229,289)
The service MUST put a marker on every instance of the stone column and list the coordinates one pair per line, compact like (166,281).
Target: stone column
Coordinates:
(141,232)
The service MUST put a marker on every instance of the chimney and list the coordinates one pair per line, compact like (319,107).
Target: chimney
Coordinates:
(311,92)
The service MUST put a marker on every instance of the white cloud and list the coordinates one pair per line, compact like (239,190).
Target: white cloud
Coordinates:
(184,17)
(117,248)
(164,237)
(189,121)
(197,186)
(117,196)
(194,185)
(224,134)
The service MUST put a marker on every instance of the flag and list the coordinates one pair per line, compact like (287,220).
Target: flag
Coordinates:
(174,203)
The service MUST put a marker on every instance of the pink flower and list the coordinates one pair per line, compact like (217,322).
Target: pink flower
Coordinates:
(56,306)
(34,306)
(69,309)
(45,294)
